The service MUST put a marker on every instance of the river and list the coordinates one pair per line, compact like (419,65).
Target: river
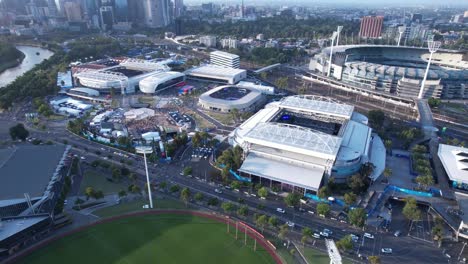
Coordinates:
(31,58)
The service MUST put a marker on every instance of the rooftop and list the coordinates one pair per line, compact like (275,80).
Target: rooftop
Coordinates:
(294,138)
(317,104)
(215,70)
(225,54)
(28,169)
(455,161)
(13,226)
(303,176)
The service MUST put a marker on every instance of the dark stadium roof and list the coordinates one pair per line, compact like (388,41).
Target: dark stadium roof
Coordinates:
(27,169)
(230,93)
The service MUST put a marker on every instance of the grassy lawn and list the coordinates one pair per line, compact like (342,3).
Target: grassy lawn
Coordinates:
(99,182)
(202,124)
(226,119)
(151,239)
(137,206)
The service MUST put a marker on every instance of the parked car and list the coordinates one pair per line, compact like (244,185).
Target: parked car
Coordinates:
(218,191)
(280,210)
(327,231)
(354,238)
(315,235)
(324,234)
(367,235)
(397,233)
(290,224)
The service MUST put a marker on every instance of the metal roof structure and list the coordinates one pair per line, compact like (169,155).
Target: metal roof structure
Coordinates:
(455,161)
(318,105)
(103,76)
(144,65)
(294,138)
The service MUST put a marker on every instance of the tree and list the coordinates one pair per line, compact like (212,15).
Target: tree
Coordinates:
(307,232)
(324,192)
(213,202)
(227,207)
(235,185)
(387,173)
(18,132)
(374,259)
(410,210)
(261,222)
(367,169)
(263,75)
(388,145)
(344,244)
(163,185)
(292,199)
(283,232)
(358,183)
(99,195)
(122,193)
(433,102)
(304,240)
(185,196)
(263,192)
(174,188)
(376,118)
(425,180)
(198,197)
(243,211)
(273,221)
(135,189)
(187,171)
(196,139)
(323,209)
(132,177)
(89,192)
(116,174)
(357,217)
(350,198)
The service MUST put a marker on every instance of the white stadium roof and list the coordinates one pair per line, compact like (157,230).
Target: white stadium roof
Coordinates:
(455,161)
(303,176)
(215,71)
(144,65)
(87,91)
(295,139)
(317,104)
(103,76)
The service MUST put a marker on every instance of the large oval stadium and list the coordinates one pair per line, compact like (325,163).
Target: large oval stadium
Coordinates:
(397,70)
(228,97)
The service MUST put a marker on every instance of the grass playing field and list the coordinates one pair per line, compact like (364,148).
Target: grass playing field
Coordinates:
(166,238)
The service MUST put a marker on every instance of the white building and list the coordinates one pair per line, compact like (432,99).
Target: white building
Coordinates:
(225,98)
(264,89)
(208,41)
(161,81)
(224,59)
(70,106)
(455,162)
(300,140)
(229,43)
(217,74)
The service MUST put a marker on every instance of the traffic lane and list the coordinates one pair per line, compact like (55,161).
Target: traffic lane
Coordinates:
(408,250)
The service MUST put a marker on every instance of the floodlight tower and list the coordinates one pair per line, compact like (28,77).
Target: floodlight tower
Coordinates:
(338,30)
(433,47)
(331,52)
(333,253)
(146,150)
(401,30)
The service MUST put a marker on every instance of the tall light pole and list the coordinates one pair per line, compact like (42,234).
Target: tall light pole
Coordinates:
(331,52)
(338,30)
(433,47)
(401,30)
(146,150)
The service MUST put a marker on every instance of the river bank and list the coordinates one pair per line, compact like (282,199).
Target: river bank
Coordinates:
(11,57)
(31,57)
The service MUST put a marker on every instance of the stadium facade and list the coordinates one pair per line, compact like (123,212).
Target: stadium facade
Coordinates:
(123,78)
(301,141)
(161,81)
(228,97)
(396,70)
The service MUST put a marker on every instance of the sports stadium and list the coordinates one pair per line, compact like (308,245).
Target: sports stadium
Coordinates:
(300,141)
(32,181)
(161,81)
(123,78)
(396,70)
(228,97)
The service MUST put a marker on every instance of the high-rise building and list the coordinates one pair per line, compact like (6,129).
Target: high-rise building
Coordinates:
(121,11)
(416,18)
(230,43)
(225,59)
(73,11)
(136,11)
(107,17)
(371,27)
(208,41)
(207,8)
(157,13)
(178,8)
(178,30)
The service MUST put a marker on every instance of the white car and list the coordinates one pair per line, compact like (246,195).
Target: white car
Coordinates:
(328,231)
(354,238)
(290,224)
(387,250)
(218,191)
(280,210)
(367,235)
(315,235)
(324,234)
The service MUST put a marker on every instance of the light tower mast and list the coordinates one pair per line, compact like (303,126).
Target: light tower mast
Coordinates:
(331,52)
(401,30)
(433,46)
